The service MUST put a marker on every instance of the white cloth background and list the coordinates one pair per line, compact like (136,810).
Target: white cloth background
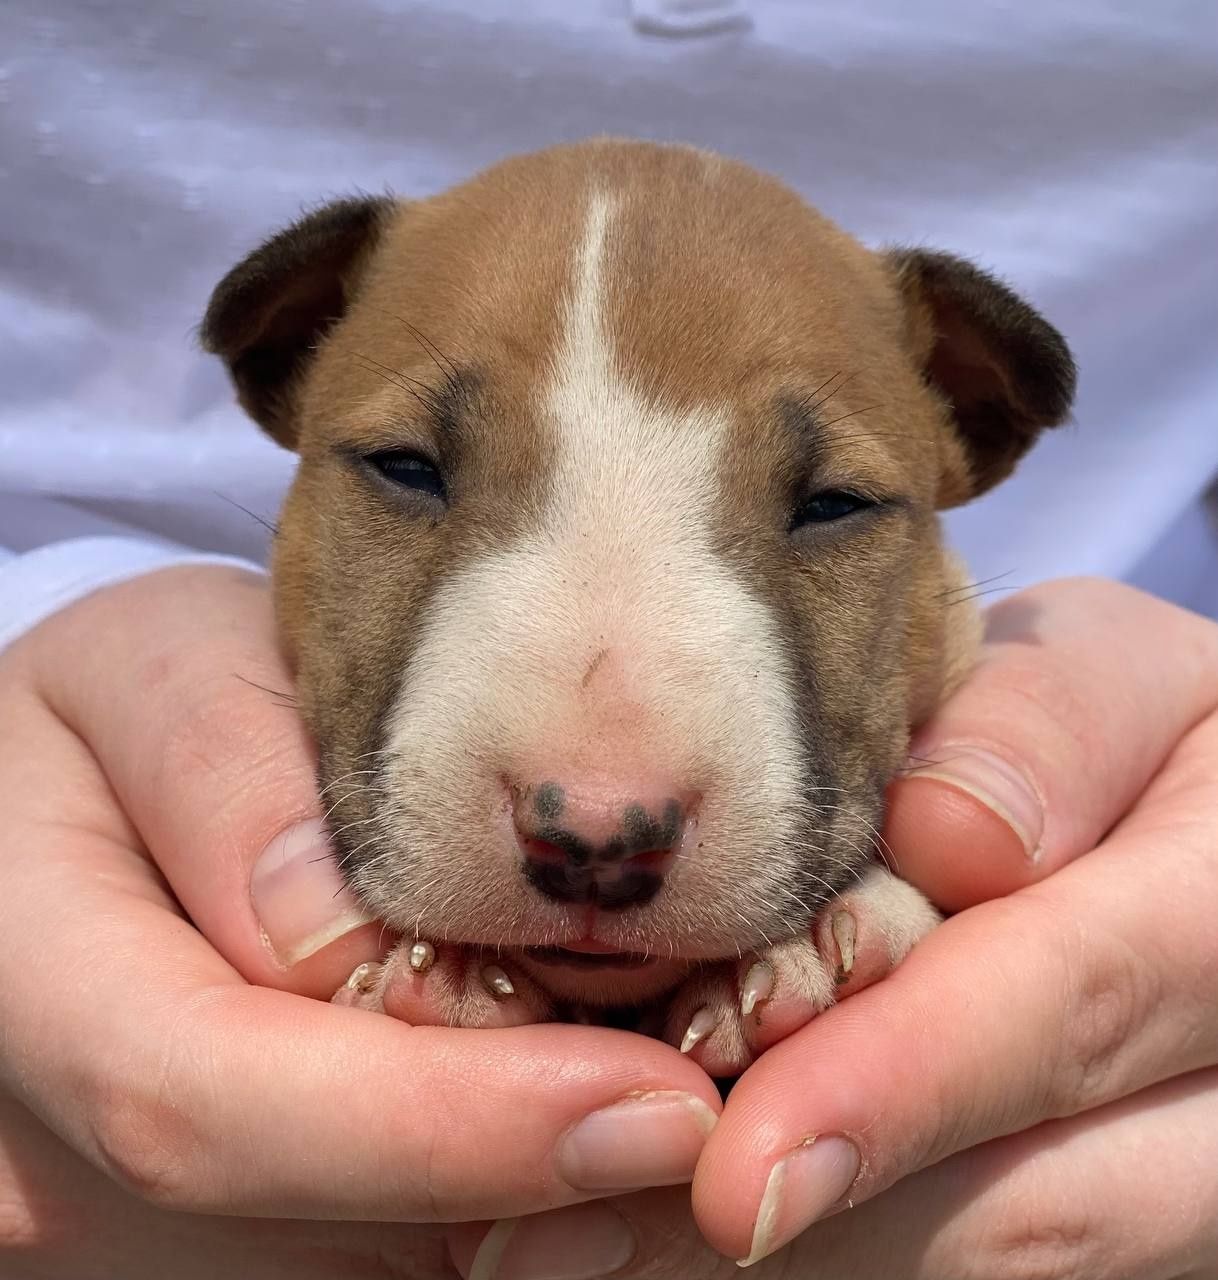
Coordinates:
(146,144)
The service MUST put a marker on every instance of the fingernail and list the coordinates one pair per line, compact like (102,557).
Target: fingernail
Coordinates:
(995,782)
(803,1186)
(645,1140)
(584,1242)
(299,896)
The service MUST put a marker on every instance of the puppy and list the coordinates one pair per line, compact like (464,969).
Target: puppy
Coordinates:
(612,575)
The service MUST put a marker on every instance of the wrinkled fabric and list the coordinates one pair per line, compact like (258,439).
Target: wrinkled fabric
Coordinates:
(146,145)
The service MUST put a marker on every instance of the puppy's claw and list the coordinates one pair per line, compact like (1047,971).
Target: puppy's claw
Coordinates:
(845,933)
(700,1026)
(758,986)
(358,981)
(498,981)
(422,956)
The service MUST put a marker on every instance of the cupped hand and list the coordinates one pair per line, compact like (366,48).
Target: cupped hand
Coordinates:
(1034,1091)
(185,1063)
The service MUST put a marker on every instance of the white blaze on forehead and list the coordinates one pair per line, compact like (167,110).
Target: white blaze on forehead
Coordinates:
(621,560)
(628,472)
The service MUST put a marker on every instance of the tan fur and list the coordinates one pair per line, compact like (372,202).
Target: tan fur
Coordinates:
(750,291)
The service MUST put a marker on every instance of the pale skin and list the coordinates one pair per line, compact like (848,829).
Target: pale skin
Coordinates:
(1067,1098)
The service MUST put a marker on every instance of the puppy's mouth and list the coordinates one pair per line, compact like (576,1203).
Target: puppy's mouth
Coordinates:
(589,956)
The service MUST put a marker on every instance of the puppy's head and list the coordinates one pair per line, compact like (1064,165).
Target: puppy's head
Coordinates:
(612,573)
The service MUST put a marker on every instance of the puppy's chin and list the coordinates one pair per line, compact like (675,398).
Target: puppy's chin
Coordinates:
(601,980)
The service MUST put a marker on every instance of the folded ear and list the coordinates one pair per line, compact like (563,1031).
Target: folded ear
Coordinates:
(1004,372)
(267,315)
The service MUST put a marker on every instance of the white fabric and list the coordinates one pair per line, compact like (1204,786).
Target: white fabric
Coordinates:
(146,144)
(39,583)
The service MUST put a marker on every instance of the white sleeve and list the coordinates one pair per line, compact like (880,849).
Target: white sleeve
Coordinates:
(38,583)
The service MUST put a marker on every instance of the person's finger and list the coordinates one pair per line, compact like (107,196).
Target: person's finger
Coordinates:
(62,1219)
(1053,1001)
(1082,690)
(1127,1192)
(146,1052)
(199,737)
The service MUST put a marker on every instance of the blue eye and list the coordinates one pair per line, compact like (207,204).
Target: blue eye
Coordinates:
(410,470)
(833,504)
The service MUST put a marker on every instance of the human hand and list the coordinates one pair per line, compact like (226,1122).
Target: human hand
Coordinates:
(137,720)
(1038,1079)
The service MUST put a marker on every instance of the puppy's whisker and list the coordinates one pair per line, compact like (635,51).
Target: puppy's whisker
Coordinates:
(269,525)
(285,699)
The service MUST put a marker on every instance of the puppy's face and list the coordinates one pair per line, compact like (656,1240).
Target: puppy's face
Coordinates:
(612,572)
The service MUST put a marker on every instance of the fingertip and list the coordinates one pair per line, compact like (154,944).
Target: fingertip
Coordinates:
(954,847)
(798,1091)
(313,931)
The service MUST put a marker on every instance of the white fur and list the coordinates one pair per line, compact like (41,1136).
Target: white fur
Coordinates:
(691,680)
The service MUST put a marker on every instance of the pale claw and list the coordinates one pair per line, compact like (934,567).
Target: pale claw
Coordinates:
(422,956)
(700,1026)
(498,981)
(358,981)
(757,986)
(845,933)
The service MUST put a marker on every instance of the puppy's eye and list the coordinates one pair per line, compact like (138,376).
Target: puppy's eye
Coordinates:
(410,470)
(833,504)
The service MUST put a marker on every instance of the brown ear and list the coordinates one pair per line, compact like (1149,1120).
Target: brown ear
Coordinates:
(1003,370)
(267,315)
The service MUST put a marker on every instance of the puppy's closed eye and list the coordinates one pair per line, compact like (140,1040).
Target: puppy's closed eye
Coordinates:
(410,470)
(829,506)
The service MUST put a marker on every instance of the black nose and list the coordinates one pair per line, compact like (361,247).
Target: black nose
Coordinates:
(609,884)
(625,870)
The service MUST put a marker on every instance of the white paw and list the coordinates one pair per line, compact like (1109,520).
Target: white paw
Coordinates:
(726,1014)
(445,985)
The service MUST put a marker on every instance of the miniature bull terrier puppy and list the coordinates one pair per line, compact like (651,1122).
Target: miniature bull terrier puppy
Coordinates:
(612,575)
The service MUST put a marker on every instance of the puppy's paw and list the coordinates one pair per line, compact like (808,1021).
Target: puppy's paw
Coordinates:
(445,986)
(726,1015)
(868,930)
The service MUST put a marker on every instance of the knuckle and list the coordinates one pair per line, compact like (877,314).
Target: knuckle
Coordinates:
(1043,690)
(1111,996)
(146,1144)
(220,734)
(1062,1244)
(208,730)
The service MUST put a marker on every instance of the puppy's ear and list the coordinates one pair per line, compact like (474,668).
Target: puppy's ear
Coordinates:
(268,314)
(1004,372)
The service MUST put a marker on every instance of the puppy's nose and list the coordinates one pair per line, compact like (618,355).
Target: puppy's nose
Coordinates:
(604,844)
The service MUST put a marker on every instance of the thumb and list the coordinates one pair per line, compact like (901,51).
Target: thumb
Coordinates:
(1083,689)
(189,710)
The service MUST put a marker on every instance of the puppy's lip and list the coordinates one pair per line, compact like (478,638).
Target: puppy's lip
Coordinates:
(589,955)
(592,947)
